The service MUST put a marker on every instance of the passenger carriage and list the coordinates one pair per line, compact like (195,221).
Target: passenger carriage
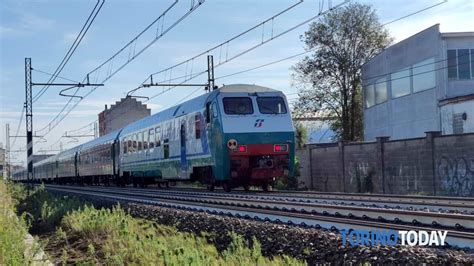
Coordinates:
(237,135)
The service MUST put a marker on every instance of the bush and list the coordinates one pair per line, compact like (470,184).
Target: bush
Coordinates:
(42,209)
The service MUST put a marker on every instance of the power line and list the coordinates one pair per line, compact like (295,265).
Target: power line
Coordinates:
(414,13)
(46,73)
(18,128)
(228,59)
(73,48)
(265,65)
(220,45)
(306,52)
(161,31)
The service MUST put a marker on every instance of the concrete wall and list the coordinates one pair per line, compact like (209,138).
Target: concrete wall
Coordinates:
(433,165)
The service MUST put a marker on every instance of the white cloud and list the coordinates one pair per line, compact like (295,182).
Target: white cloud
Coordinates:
(26,23)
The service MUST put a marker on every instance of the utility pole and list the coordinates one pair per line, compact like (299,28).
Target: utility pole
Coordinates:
(29,121)
(6,158)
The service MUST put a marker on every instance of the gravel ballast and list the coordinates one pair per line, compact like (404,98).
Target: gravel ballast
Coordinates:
(313,245)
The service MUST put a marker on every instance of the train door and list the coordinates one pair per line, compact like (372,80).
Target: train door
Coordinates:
(184,163)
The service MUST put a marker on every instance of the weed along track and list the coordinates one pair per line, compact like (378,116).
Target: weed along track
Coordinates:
(73,231)
(314,240)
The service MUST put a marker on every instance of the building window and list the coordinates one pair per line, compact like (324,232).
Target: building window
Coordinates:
(464,71)
(197,126)
(400,83)
(380,90)
(151,140)
(460,64)
(452,64)
(424,75)
(369,95)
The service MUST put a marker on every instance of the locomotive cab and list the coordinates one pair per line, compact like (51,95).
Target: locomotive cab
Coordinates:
(257,136)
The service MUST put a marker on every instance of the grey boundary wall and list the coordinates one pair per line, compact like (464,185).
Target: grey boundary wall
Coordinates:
(441,165)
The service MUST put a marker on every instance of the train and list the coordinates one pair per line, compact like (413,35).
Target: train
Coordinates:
(236,135)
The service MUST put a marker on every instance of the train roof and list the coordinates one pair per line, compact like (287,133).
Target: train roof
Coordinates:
(193,105)
(100,140)
(244,88)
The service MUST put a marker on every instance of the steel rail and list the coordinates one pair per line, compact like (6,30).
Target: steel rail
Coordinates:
(409,203)
(454,238)
(457,221)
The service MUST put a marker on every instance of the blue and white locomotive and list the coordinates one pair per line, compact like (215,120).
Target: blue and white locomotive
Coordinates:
(237,135)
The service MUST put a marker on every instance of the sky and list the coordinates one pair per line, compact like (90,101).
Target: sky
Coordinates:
(43,30)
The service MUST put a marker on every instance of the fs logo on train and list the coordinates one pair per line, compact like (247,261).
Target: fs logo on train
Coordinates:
(259,123)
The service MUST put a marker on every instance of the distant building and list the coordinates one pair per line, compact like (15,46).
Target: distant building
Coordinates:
(423,83)
(120,114)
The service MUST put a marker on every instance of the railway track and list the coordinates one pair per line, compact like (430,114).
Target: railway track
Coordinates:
(439,204)
(280,209)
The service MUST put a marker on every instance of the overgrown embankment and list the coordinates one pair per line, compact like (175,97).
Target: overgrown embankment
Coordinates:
(74,232)
(13,231)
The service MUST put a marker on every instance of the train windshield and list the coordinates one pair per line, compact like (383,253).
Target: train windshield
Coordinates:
(238,105)
(271,105)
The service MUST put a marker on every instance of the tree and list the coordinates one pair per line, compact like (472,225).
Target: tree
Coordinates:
(329,81)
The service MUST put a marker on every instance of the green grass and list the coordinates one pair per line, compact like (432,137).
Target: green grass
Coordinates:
(112,236)
(73,232)
(42,209)
(12,232)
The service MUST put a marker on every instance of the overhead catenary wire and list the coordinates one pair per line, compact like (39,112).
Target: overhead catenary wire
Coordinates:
(49,74)
(296,55)
(228,59)
(314,49)
(58,119)
(72,49)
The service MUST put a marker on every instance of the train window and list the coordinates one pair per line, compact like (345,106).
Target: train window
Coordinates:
(238,105)
(140,141)
(129,144)
(197,126)
(166,149)
(158,136)
(214,109)
(151,138)
(271,105)
(145,140)
(135,145)
(124,145)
